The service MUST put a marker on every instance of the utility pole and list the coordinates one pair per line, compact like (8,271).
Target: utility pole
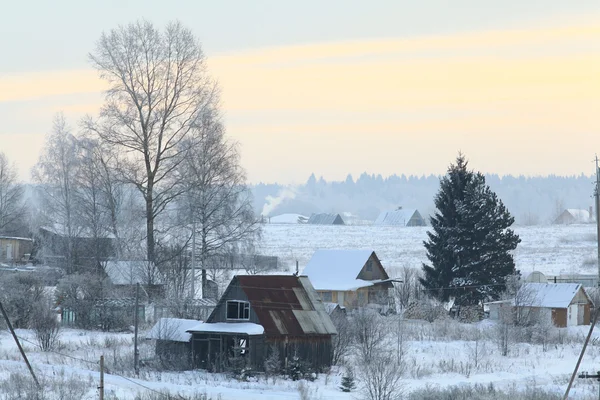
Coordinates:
(101,387)
(597,310)
(193,294)
(136,354)
(14,335)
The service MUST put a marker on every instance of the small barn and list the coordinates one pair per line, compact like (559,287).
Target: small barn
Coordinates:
(258,314)
(15,250)
(350,278)
(564,304)
(326,219)
(400,217)
(173,342)
(575,216)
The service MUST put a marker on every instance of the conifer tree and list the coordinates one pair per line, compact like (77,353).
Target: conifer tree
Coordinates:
(470,244)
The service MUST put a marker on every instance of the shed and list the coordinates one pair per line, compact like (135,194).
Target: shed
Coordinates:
(326,219)
(257,314)
(564,304)
(350,278)
(173,341)
(15,250)
(400,217)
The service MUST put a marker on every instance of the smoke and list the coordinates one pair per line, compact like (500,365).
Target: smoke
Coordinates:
(273,202)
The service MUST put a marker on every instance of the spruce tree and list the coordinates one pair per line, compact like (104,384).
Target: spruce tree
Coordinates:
(470,244)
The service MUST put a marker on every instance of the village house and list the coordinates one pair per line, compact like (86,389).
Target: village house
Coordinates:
(575,216)
(562,304)
(325,219)
(400,217)
(15,250)
(350,278)
(258,314)
(173,342)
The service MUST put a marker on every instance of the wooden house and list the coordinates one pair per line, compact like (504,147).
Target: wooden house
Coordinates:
(350,278)
(400,217)
(15,250)
(258,314)
(563,304)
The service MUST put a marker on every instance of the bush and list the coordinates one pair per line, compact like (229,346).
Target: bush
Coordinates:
(46,326)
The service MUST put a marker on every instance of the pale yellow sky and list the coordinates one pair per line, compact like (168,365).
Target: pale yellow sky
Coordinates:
(516,101)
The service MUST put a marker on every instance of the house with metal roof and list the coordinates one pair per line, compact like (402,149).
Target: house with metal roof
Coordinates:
(326,219)
(575,216)
(562,304)
(260,313)
(350,278)
(400,217)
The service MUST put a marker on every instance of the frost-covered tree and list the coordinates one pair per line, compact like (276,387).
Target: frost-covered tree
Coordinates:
(470,244)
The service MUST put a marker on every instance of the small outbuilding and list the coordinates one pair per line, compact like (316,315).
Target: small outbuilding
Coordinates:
(326,219)
(563,304)
(258,316)
(15,250)
(400,217)
(173,341)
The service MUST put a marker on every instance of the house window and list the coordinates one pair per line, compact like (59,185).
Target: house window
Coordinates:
(326,296)
(238,310)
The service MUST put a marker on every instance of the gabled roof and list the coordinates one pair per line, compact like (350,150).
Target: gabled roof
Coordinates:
(338,269)
(396,217)
(548,295)
(173,329)
(129,272)
(283,304)
(326,219)
(580,215)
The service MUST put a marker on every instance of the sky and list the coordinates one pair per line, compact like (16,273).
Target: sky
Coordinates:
(340,86)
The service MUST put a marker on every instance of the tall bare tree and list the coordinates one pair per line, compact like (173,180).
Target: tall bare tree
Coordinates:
(158,85)
(56,172)
(11,197)
(220,201)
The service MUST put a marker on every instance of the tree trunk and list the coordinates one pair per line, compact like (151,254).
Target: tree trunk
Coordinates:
(149,227)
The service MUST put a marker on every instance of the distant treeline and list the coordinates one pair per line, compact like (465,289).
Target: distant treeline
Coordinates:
(531,200)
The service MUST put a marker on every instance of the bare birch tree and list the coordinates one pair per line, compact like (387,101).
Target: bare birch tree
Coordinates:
(221,203)
(56,172)
(158,85)
(11,197)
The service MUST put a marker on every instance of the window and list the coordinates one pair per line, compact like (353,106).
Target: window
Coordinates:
(326,296)
(238,309)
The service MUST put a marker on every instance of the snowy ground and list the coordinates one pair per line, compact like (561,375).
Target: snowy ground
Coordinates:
(439,354)
(551,249)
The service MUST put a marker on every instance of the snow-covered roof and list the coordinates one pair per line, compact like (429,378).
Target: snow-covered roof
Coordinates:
(330,307)
(325,219)
(580,215)
(16,238)
(248,328)
(549,295)
(337,269)
(288,219)
(130,272)
(173,329)
(397,217)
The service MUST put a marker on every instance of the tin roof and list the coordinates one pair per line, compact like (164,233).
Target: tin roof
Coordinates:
(285,305)
(396,218)
(325,219)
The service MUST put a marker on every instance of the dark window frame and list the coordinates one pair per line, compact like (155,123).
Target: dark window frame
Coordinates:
(242,312)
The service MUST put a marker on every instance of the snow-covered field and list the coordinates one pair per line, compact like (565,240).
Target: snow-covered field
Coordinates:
(551,249)
(437,355)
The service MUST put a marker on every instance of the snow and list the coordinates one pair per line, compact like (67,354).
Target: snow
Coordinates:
(248,328)
(173,329)
(287,219)
(337,269)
